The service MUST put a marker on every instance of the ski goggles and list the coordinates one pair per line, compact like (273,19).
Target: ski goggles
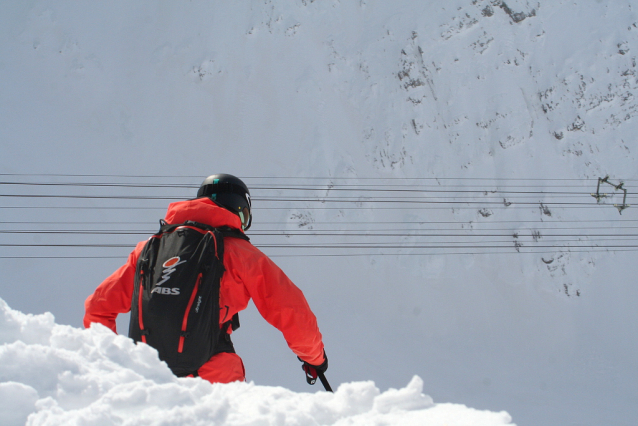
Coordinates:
(246,217)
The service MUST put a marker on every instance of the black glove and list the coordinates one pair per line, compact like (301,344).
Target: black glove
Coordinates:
(313,370)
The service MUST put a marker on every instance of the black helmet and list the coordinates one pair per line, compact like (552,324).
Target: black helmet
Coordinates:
(229,192)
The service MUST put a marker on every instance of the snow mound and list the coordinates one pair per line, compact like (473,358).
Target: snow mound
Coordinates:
(52,374)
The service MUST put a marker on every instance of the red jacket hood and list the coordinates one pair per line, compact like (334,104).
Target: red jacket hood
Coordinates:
(202,210)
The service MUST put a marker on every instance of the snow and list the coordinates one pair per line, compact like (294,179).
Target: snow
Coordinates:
(53,374)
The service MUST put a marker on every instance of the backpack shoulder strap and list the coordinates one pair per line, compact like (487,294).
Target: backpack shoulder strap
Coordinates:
(166,227)
(227,231)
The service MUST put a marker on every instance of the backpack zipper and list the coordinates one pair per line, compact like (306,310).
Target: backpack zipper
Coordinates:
(180,348)
(140,299)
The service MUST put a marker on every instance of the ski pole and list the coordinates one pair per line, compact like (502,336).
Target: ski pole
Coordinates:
(312,374)
(324,381)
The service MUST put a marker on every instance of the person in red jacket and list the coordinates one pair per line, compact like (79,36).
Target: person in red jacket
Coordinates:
(224,201)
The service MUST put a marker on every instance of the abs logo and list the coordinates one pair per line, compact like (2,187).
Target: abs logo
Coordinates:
(165,290)
(169,267)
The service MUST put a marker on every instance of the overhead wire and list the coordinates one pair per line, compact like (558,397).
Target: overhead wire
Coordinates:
(198,178)
(513,193)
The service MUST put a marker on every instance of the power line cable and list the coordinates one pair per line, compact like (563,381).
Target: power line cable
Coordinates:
(377,192)
(329,178)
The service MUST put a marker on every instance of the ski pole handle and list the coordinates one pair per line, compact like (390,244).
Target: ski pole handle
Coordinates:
(316,371)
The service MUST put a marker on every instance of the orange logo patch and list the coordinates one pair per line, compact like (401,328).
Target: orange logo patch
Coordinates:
(171,262)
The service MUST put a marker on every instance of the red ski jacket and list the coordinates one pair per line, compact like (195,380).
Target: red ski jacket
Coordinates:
(249,274)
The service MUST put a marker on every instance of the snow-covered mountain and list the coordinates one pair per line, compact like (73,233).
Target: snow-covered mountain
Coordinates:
(440,156)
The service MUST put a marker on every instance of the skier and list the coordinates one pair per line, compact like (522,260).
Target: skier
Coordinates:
(223,201)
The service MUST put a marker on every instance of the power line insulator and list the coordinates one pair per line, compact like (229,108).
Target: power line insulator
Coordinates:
(619,187)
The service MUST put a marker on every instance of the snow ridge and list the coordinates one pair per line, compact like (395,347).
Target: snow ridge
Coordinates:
(53,374)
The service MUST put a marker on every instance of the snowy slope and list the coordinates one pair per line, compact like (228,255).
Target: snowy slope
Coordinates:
(58,375)
(476,95)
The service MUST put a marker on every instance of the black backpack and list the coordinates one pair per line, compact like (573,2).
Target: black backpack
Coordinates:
(175,304)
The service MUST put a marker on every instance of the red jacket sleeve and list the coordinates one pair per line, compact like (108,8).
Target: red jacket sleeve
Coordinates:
(113,296)
(277,299)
